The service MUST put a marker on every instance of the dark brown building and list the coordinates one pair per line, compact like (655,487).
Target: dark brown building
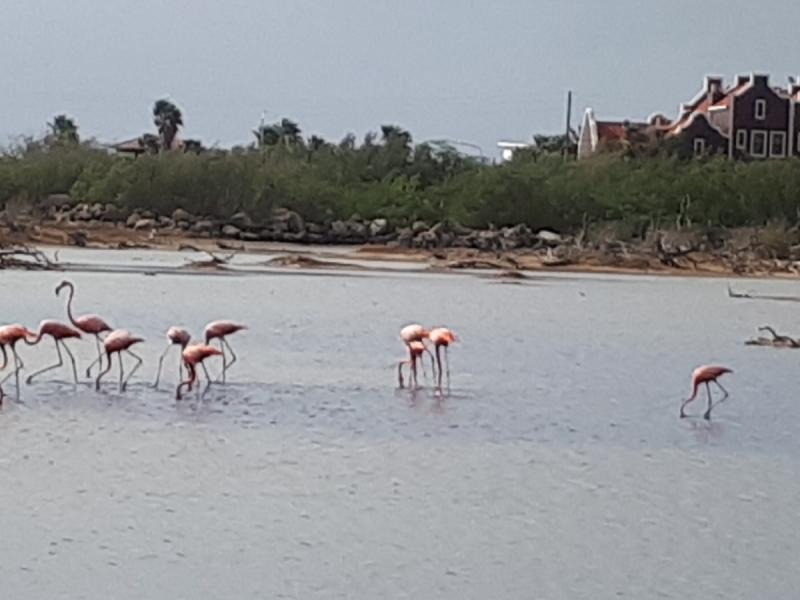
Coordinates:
(749,118)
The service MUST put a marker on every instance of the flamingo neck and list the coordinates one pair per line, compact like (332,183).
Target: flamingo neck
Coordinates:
(69,303)
(188,382)
(5,356)
(695,387)
(37,337)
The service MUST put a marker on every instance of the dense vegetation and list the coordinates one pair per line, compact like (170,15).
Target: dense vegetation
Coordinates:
(389,176)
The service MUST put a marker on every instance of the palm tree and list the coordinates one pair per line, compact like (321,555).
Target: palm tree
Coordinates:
(63,130)
(286,133)
(168,118)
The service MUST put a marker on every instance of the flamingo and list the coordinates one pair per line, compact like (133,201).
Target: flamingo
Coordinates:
(91,324)
(706,374)
(221,329)
(442,337)
(117,341)
(176,337)
(415,351)
(192,356)
(9,336)
(59,332)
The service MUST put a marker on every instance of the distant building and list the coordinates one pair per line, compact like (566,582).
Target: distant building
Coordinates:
(507,148)
(603,135)
(747,119)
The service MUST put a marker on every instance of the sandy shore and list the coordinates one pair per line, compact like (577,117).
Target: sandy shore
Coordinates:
(512,263)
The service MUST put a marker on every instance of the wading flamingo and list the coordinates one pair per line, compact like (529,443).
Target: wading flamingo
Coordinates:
(442,337)
(59,332)
(221,329)
(192,356)
(9,336)
(415,351)
(706,374)
(176,337)
(118,341)
(90,324)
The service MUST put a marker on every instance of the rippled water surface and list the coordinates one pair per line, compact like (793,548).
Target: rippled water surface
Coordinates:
(557,467)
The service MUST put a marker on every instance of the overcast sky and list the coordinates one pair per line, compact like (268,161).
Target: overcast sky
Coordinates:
(473,70)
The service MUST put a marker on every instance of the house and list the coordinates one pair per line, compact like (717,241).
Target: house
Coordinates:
(507,149)
(747,119)
(149,142)
(604,135)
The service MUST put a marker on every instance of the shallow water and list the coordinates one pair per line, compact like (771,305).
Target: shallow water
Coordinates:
(557,467)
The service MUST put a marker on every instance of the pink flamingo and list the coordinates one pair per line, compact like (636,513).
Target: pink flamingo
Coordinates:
(5,362)
(59,332)
(416,349)
(118,341)
(90,324)
(9,336)
(442,337)
(175,337)
(706,374)
(192,356)
(221,329)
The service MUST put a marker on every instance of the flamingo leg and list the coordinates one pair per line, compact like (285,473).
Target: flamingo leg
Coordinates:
(121,372)
(400,372)
(208,377)
(161,361)
(19,366)
(99,360)
(233,356)
(139,362)
(447,367)
(72,359)
(51,367)
(707,414)
(103,373)
(413,362)
(724,391)
(224,361)
(439,366)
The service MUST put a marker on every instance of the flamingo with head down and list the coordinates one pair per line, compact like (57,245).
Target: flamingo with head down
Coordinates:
(117,342)
(220,330)
(175,337)
(58,332)
(9,336)
(192,356)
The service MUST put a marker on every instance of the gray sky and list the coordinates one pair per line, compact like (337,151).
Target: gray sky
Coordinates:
(478,71)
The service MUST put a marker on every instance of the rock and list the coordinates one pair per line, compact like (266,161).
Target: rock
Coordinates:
(379,227)
(426,239)
(81,213)
(182,225)
(97,210)
(248,236)
(241,221)
(315,228)
(59,201)
(133,219)
(165,222)
(148,214)
(230,231)
(348,232)
(180,215)
(288,221)
(145,224)
(419,226)
(113,213)
(203,226)
(550,238)
(404,237)
(267,235)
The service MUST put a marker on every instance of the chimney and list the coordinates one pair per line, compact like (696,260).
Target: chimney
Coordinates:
(714,88)
(742,79)
(759,79)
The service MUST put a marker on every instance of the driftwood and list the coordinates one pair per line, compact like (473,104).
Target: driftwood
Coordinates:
(747,296)
(777,341)
(215,262)
(22,257)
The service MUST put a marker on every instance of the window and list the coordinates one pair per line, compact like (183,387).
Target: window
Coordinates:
(777,143)
(758,143)
(741,139)
(699,146)
(761,110)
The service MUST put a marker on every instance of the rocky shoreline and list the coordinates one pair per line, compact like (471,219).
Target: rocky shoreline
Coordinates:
(59,221)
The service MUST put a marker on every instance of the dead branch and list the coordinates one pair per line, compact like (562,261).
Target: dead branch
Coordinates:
(22,257)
